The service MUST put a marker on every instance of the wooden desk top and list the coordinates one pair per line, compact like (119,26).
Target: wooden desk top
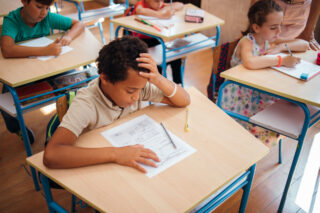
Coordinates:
(9,5)
(19,71)
(219,158)
(278,83)
(180,28)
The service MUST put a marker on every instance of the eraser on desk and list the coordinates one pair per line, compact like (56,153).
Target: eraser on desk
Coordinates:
(304,76)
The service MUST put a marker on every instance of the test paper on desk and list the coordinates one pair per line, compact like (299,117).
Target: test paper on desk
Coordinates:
(42,42)
(162,23)
(304,70)
(145,131)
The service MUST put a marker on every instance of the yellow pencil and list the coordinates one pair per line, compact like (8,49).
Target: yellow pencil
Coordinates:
(186,127)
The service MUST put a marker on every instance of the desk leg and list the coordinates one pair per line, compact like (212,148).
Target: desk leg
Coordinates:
(300,139)
(24,133)
(246,190)
(52,205)
(291,172)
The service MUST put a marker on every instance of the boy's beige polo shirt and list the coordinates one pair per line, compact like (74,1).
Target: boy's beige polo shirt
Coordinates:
(90,109)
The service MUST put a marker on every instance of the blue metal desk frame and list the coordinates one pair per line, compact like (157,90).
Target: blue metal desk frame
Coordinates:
(308,122)
(244,182)
(165,51)
(20,109)
(81,10)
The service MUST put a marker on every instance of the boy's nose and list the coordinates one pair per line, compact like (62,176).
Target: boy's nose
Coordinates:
(135,97)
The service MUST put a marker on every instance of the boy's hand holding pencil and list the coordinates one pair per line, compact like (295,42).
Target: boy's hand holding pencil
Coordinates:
(54,48)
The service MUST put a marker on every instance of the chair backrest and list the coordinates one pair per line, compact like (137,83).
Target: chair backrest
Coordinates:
(62,106)
(221,61)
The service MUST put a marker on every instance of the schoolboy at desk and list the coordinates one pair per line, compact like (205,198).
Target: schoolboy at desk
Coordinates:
(128,75)
(33,20)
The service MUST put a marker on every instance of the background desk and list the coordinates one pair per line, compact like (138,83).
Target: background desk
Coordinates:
(16,72)
(219,158)
(180,29)
(284,87)
(273,81)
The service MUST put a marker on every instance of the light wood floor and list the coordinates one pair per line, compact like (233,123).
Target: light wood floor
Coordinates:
(17,193)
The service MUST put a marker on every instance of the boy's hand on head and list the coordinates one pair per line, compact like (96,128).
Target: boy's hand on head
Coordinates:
(54,48)
(133,155)
(65,41)
(146,61)
(290,61)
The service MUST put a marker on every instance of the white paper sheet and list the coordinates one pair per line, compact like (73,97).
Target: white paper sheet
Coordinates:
(304,70)
(145,131)
(162,23)
(42,42)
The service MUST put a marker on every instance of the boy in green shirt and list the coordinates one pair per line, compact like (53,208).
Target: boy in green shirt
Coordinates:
(33,20)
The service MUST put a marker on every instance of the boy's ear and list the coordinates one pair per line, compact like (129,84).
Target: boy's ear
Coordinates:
(256,28)
(24,2)
(103,79)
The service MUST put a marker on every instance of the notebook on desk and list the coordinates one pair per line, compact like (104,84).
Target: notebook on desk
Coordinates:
(304,70)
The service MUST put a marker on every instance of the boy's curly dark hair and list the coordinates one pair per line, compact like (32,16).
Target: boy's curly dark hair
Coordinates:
(258,12)
(45,2)
(118,56)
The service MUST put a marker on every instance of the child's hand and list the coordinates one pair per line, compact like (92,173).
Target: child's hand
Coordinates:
(274,50)
(132,155)
(177,6)
(53,49)
(66,40)
(167,13)
(290,61)
(146,61)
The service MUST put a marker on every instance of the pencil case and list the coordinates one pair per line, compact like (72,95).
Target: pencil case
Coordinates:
(194,15)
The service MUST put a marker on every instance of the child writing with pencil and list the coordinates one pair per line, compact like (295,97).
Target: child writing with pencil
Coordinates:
(33,20)
(261,38)
(159,9)
(128,76)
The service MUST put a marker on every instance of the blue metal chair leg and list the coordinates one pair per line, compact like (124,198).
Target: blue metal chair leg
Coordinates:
(73,203)
(246,190)
(103,40)
(182,70)
(280,151)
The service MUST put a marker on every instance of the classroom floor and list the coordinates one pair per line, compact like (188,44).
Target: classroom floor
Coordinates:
(17,193)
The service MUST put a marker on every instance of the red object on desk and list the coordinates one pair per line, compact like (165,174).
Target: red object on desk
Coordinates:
(318,58)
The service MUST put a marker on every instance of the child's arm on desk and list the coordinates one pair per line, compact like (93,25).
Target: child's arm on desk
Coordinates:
(164,13)
(176,95)
(76,29)
(259,62)
(61,153)
(296,45)
(11,50)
